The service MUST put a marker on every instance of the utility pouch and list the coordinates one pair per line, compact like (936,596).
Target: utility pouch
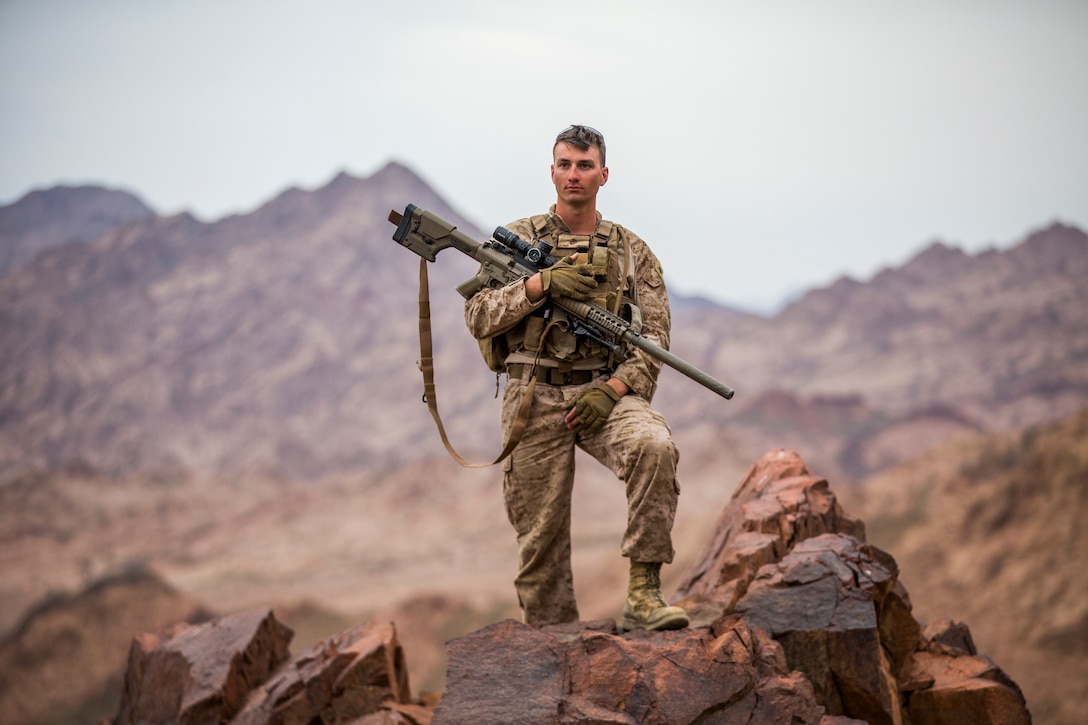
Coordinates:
(632,314)
(494,351)
(534,332)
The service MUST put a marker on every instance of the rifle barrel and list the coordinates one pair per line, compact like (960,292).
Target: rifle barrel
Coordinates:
(622,329)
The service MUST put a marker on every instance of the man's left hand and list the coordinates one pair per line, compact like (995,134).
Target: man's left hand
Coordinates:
(592,408)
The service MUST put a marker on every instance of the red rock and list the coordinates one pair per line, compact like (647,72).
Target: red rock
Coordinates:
(778,503)
(201,674)
(788,559)
(352,674)
(952,637)
(820,602)
(510,672)
(965,689)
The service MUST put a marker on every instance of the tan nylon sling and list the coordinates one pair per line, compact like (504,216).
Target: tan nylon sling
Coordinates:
(426,365)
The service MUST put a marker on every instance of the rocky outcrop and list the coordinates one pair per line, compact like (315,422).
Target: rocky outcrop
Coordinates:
(789,560)
(356,673)
(795,619)
(727,672)
(238,669)
(203,673)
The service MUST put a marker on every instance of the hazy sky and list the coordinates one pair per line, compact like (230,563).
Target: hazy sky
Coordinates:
(760,147)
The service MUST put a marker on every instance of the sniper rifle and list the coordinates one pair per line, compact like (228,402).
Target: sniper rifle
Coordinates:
(507,258)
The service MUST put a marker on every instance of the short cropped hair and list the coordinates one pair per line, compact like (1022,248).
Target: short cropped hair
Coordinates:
(581,138)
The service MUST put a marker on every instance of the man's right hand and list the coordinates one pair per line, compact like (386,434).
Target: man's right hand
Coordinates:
(567,279)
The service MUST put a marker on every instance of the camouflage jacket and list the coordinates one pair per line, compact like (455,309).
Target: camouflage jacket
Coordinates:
(508,312)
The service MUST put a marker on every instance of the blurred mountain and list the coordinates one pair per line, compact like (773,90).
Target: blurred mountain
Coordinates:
(285,340)
(874,373)
(62,665)
(45,219)
(992,530)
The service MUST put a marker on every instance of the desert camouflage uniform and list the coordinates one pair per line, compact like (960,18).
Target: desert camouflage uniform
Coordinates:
(635,442)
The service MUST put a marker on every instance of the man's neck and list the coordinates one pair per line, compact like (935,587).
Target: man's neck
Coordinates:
(579,219)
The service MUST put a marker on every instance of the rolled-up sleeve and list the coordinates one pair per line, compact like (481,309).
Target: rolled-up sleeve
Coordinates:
(490,312)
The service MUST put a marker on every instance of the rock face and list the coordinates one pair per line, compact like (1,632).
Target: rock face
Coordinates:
(795,619)
(358,672)
(728,672)
(237,669)
(788,559)
(204,673)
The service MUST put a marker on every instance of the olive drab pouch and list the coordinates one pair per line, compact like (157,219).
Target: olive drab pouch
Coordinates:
(632,314)
(535,325)
(494,351)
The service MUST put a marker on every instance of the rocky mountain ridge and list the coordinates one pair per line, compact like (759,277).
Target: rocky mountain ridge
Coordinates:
(281,339)
(48,218)
(270,340)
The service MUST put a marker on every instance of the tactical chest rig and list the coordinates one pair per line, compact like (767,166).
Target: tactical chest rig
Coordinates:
(511,259)
(548,339)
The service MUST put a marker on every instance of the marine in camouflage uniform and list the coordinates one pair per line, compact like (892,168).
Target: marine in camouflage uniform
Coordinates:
(584,395)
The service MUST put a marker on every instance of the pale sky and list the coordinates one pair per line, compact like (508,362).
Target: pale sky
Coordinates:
(761,148)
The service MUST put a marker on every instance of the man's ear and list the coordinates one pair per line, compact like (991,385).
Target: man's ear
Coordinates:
(604,175)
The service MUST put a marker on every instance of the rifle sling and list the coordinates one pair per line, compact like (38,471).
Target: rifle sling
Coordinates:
(426,365)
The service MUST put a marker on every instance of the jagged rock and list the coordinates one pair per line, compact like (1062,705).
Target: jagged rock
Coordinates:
(237,669)
(787,558)
(201,674)
(729,672)
(348,676)
(954,636)
(962,689)
(777,504)
(821,602)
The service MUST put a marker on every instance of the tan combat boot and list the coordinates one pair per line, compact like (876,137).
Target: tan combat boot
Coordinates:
(646,608)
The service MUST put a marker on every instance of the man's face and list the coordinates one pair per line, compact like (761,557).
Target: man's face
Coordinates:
(577,175)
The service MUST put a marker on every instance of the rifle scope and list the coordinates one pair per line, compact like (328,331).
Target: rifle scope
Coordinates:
(539,256)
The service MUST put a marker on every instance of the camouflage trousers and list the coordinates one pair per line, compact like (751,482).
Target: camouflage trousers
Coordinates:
(635,444)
